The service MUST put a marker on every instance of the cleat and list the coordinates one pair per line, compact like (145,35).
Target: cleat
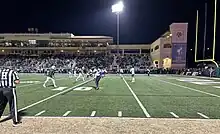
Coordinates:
(16,124)
(44,86)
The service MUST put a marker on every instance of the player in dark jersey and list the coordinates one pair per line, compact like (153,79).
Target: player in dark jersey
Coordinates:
(100,73)
(50,76)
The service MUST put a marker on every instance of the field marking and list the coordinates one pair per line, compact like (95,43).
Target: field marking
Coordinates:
(40,113)
(216,86)
(214,95)
(119,113)
(93,113)
(136,98)
(67,113)
(172,113)
(50,97)
(204,83)
(204,116)
(106,117)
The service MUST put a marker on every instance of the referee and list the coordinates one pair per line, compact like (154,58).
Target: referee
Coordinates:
(8,81)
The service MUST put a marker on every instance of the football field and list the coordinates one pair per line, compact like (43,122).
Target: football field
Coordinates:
(157,96)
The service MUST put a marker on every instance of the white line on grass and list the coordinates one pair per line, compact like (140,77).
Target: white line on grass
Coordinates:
(136,98)
(214,95)
(119,113)
(40,113)
(93,113)
(204,116)
(50,97)
(172,113)
(67,113)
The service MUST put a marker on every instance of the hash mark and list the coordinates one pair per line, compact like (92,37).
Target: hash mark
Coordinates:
(119,113)
(172,113)
(204,116)
(67,113)
(93,113)
(40,113)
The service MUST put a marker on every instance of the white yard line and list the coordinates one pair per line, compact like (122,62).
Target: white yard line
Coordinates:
(204,116)
(172,113)
(119,113)
(67,113)
(136,98)
(214,95)
(93,113)
(40,113)
(50,97)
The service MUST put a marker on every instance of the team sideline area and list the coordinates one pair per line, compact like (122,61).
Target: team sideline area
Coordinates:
(156,96)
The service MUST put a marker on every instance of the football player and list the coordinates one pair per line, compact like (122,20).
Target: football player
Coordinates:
(50,76)
(70,74)
(90,73)
(132,74)
(98,75)
(148,72)
(75,72)
(121,72)
(81,74)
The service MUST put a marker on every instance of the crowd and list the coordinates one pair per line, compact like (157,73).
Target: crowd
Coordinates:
(65,63)
(37,64)
(45,43)
(138,61)
(98,60)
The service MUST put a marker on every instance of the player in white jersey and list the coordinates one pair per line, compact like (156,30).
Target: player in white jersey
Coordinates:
(94,72)
(148,72)
(132,74)
(70,74)
(75,72)
(121,72)
(50,76)
(81,74)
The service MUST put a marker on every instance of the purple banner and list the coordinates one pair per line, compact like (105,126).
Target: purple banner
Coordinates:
(179,53)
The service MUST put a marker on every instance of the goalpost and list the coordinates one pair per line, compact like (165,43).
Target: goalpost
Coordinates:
(214,41)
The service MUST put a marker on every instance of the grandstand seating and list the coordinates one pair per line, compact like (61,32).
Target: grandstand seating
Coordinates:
(64,63)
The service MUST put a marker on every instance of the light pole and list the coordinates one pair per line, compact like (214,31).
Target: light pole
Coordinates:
(117,9)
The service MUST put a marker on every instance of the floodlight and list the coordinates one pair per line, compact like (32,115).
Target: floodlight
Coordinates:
(118,7)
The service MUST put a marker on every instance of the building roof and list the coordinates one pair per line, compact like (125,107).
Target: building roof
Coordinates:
(49,36)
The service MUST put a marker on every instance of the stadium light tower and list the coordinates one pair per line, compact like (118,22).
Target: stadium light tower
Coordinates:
(117,9)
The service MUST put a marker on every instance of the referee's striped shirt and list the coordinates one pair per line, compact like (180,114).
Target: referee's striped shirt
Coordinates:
(7,78)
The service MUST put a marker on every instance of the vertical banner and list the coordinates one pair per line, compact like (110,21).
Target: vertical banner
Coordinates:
(179,44)
(179,54)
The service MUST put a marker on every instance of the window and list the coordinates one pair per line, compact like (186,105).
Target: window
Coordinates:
(132,51)
(145,51)
(157,47)
(167,46)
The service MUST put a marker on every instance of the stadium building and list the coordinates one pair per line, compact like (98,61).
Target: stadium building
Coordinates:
(168,51)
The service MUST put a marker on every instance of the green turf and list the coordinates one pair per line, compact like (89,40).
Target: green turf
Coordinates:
(159,98)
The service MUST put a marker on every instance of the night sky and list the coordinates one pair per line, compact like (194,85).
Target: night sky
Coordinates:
(142,21)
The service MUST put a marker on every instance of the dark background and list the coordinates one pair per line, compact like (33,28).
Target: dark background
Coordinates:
(142,21)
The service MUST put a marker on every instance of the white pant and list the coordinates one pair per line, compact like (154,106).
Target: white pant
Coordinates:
(75,74)
(49,78)
(70,74)
(80,75)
